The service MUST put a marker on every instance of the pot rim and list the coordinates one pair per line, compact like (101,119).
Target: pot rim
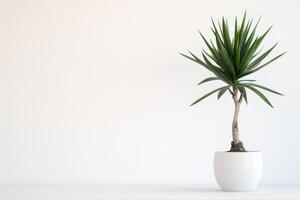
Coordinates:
(237,152)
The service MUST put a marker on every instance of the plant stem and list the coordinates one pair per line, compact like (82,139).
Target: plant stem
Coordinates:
(235,128)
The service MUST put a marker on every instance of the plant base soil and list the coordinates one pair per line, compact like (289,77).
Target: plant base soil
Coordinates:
(239,147)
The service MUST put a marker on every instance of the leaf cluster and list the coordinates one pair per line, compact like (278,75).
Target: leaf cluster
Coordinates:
(232,58)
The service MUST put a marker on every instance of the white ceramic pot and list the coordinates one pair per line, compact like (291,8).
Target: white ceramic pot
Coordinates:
(238,171)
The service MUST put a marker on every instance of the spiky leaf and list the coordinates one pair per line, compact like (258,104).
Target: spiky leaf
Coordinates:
(207,95)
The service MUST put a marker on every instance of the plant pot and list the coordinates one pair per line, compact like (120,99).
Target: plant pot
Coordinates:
(238,171)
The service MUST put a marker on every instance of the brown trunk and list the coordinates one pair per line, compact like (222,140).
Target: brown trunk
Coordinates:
(236,144)
(235,128)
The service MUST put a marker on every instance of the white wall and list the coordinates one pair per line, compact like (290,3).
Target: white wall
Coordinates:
(96,92)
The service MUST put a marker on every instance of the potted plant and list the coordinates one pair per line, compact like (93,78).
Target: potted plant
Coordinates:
(231,59)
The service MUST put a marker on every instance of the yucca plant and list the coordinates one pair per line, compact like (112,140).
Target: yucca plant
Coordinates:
(231,59)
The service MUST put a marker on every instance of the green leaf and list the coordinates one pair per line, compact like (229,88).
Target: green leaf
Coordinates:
(215,30)
(197,60)
(210,47)
(263,65)
(264,35)
(245,96)
(265,88)
(247,80)
(225,58)
(273,59)
(222,91)
(246,58)
(226,37)
(243,93)
(260,58)
(244,37)
(241,30)
(261,95)
(251,37)
(208,79)
(218,72)
(208,94)
(211,57)
(236,44)
(188,57)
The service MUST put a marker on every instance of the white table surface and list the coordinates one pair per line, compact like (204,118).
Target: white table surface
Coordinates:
(141,192)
